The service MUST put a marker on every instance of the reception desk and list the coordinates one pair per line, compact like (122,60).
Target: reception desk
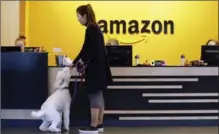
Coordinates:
(140,96)
(153,96)
(24,86)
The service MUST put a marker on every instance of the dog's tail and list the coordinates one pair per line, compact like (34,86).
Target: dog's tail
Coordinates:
(37,114)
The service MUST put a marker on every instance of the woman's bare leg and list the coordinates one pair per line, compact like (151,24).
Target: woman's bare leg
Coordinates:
(94,116)
(101,111)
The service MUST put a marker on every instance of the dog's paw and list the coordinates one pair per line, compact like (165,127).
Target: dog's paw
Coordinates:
(55,130)
(43,129)
(66,128)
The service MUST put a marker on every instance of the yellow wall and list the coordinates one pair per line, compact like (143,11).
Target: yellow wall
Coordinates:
(54,24)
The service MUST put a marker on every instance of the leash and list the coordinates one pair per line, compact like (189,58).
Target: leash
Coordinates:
(80,68)
(75,90)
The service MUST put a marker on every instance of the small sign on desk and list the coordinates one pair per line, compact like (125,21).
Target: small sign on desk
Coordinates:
(57,50)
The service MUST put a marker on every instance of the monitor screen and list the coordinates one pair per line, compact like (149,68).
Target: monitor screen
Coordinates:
(10,49)
(210,55)
(119,55)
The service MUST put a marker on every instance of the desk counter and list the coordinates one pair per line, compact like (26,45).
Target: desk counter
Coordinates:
(139,96)
(24,86)
(154,96)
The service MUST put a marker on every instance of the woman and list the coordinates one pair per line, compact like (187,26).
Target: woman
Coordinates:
(21,42)
(97,72)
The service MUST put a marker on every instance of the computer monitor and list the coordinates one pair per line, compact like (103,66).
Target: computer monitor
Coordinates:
(10,49)
(210,55)
(119,55)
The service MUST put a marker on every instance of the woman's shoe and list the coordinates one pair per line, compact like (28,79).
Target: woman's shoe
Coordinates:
(100,127)
(90,130)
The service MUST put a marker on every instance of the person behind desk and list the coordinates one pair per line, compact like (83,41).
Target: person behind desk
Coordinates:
(97,72)
(112,42)
(21,42)
(212,42)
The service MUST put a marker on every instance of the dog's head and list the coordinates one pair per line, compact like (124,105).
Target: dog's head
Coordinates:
(67,61)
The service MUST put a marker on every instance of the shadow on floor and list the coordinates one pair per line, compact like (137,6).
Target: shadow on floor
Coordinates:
(126,130)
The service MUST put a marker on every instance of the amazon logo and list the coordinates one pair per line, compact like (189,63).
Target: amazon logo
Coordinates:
(143,27)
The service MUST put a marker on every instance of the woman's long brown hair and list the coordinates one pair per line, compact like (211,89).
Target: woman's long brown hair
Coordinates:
(87,10)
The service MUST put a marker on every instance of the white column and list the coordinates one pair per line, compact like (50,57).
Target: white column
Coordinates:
(10,19)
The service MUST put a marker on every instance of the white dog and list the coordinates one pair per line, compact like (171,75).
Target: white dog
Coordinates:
(56,104)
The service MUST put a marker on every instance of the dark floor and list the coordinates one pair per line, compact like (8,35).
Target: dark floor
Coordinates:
(132,130)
